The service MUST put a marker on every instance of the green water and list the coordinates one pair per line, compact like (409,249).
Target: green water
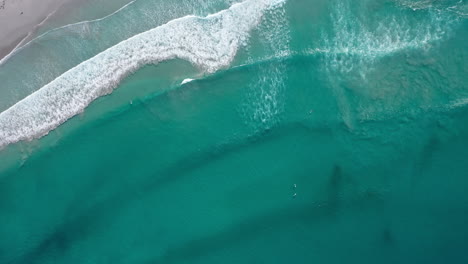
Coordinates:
(351,147)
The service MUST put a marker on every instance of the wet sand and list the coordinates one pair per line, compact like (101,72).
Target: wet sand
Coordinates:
(21,20)
(20,17)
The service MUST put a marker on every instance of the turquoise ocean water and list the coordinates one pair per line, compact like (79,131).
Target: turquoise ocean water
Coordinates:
(223,131)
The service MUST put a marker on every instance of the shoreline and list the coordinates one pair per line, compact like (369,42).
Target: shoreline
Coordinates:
(23,19)
(6,49)
(27,18)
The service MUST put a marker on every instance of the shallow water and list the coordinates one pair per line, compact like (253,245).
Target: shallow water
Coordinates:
(327,131)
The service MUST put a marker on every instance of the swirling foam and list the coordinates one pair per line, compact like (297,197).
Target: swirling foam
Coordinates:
(354,45)
(30,67)
(264,103)
(209,43)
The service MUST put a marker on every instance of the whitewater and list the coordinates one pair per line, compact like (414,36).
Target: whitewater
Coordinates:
(210,43)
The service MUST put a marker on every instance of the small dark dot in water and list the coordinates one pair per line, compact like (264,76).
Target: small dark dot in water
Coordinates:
(21,13)
(371,194)
(335,186)
(388,236)
(336,178)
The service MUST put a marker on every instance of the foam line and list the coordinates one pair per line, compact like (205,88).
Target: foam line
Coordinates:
(353,45)
(209,43)
(20,45)
(186,81)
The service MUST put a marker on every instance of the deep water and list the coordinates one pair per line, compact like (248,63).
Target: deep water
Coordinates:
(337,134)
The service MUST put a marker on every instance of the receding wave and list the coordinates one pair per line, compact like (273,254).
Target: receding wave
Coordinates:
(43,59)
(209,42)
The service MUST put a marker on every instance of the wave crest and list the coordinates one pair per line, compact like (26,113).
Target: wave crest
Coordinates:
(209,43)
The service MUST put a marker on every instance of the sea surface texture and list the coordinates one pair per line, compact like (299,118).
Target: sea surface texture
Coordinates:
(230,131)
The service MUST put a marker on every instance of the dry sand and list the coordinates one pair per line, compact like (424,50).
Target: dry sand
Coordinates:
(20,17)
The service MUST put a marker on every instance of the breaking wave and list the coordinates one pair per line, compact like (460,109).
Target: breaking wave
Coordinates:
(210,43)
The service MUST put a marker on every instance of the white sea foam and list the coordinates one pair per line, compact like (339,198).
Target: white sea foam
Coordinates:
(263,104)
(360,36)
(462,102)
(43,59)
(210,43)
(186,81)
(354,45)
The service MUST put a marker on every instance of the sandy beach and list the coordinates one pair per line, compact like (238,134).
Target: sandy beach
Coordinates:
(20,17)
(20,20)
